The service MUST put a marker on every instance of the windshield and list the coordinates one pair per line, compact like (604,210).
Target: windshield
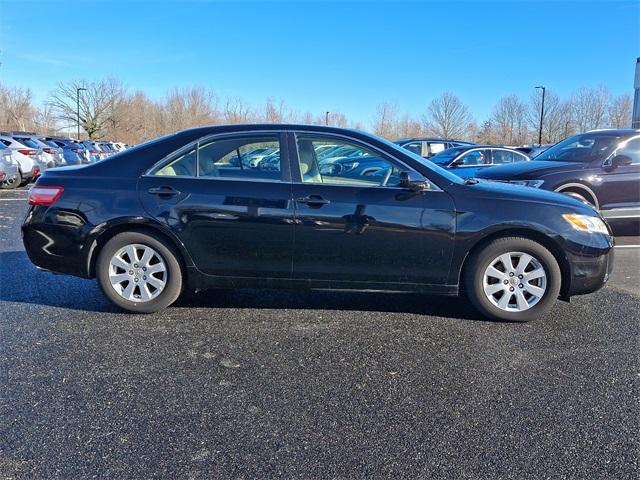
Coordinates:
(446,156)
(584,148)
(427,163)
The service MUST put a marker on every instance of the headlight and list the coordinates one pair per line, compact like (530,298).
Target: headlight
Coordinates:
(586,223)
(528,183)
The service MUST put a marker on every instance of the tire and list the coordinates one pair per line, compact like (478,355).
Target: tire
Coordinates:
(159,279)
(521,299)
(15,184)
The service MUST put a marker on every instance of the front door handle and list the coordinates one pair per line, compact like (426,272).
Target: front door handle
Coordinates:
(313,201)
(168,191)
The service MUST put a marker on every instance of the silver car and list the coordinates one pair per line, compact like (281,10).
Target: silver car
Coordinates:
(28,166)
(51,156)
(28,148)
(9,167)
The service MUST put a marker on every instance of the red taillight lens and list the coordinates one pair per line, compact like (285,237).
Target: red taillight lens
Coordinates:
(44,195)
(94,152)
(50,150)
(28,151)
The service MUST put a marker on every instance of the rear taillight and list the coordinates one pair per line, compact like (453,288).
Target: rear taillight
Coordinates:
(44,195)
(36,172)
(76,150)
(28,151)
(52,151)
(94,152)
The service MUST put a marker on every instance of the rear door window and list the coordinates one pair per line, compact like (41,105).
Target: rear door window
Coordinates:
(251,158)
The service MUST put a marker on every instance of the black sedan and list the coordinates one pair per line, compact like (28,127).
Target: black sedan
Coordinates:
(601,168)
(183,211)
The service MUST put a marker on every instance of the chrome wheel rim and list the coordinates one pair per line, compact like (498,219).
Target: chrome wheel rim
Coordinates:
(515,281)
(137,273)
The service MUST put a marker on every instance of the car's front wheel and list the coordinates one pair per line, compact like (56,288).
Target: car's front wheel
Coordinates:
(139,273)
(513,279)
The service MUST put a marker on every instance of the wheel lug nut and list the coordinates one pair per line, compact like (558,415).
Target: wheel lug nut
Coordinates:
(130,272)
(506,282)
(511,274)
(144,269)
(136,280)
(520,276)
(144,278)
(135,265)
(511,289)
(521,286)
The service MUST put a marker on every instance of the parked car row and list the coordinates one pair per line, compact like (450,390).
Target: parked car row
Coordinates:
(25,155)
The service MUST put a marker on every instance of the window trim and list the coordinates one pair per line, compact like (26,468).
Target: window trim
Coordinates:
(294,161)
(285,171)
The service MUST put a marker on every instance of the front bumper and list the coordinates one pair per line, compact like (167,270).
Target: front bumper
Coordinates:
(589,273)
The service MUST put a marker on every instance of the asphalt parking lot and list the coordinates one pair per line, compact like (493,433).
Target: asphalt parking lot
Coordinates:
(260,384)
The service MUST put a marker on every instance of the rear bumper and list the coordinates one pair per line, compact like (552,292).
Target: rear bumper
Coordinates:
(55,240)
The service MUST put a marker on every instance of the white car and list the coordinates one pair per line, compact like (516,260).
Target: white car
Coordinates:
(52,157)
(9,167)
(30,161)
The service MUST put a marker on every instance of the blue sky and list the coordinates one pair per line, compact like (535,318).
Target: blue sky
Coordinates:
(318,56)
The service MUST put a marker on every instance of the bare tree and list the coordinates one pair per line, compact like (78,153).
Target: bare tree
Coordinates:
(620,111)
(447,117)
(409,127)
(385,120)
(557,120)
(236,111)
(190,107)
(509,121)
(16,108)
(44,120)
(275,112)
(97,104)
(589,108)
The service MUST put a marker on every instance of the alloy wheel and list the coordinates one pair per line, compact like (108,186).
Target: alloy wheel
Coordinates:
(137,273)
(515,281)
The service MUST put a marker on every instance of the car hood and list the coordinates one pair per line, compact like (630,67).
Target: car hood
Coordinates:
(506,191)
(527,170)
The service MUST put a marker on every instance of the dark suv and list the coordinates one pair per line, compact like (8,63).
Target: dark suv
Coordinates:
(600,167)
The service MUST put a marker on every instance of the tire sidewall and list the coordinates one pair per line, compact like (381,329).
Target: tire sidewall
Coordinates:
(172,289)
(481,261)
(13,185)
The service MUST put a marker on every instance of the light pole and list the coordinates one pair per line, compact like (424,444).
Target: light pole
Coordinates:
(326,118)
(541,114)
(78,108)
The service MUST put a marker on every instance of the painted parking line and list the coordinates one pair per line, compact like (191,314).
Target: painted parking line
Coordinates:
(24,199)
(627,246)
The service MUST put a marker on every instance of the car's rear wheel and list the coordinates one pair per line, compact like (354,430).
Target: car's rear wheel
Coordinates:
(139,273)
(10,185)
(513,279)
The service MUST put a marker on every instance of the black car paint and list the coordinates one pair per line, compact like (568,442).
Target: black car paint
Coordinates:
(365,238)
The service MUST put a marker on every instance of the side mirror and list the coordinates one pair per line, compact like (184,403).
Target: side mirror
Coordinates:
(620,161)
(413,181)
(457,163)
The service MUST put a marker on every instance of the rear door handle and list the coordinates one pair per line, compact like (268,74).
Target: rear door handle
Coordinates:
(169,191)
(313,201)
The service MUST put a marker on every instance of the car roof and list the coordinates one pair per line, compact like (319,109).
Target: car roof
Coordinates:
(616,131)
(431,139)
